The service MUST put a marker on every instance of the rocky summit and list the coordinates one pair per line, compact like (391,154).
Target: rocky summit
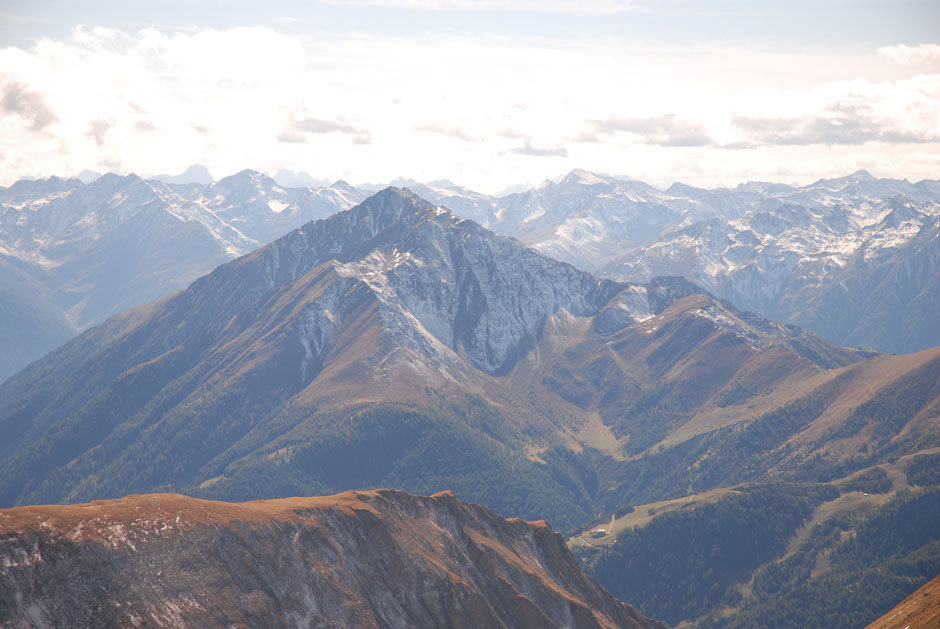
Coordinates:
(360,559)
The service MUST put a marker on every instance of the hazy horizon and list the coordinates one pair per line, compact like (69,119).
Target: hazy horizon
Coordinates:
(487,94)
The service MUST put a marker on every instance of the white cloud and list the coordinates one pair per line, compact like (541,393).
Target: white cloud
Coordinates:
(852,112)
(299,125)
(485,112)
(921,53)
(540,151)
(665,130)
(594,7)
(454,131)
(255,56)
(30,106)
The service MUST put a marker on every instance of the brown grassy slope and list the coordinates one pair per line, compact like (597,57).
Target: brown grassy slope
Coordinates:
(918,611)
(364,559)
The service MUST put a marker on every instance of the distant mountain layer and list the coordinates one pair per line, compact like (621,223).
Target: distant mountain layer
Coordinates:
(396,344)
(853,259)
(856,259)
(83,252)
(360,559)
(30,325)
(865,274)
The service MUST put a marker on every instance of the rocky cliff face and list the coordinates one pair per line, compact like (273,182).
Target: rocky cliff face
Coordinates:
(360,559)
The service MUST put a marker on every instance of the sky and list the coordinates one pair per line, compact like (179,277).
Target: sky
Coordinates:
(485,93)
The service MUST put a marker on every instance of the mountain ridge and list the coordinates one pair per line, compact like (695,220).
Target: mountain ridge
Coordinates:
(73,238)
(120,241)
(400,307)
(377,558)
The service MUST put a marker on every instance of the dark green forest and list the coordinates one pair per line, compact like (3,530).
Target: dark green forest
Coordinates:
(873,481)
(750,452)
(466,448)
(924,470)
(684,563)
(843,580)
(850,569)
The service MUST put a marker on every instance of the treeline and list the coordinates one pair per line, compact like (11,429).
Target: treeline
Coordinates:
(721,458)
(466,448)
(872,481)
(893,407)
(846,581)
(751,452)
(685,563)
(924,470)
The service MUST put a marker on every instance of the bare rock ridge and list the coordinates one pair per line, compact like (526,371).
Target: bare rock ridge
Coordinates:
(380,558)
(471,290)
(853,259)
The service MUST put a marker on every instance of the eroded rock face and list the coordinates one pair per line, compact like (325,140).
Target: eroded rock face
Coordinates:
(359,559)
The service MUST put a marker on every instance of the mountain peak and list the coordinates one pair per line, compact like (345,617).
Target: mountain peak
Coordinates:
(110,183)
(341,184)
(579,176)
(113,178)
(396,200)
(442,183)
(196,173)
(298,179)
(37,187)
(683,189)
(861,175)
(87,176)
(664,290)
(837,183)
(245,184)
(243,175)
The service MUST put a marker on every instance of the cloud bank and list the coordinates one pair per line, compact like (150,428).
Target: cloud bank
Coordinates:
(595,7)
(486,111)
(921,53)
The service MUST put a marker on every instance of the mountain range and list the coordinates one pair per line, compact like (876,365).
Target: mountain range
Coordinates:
(861,273)
(853,259)
(397,344)
(73,254)
(396,331)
